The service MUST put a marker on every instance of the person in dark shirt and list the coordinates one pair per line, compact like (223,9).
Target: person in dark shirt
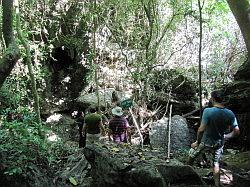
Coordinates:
(211,133)
(119,130)
(80,123)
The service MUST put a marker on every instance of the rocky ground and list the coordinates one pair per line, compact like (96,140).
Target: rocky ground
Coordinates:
(108,164)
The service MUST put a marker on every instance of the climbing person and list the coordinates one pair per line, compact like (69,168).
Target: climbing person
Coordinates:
(211,134)
(93,126)
(119,129)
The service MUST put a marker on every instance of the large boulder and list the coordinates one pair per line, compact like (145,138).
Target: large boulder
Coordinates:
(75,171)
(105,96)
(179,175)
(238,96)
(238,100)
(120,166)
(158,133)
(63,126)
(243,71)
(180,137)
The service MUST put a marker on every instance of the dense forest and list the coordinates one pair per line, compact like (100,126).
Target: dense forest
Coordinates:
(157,60)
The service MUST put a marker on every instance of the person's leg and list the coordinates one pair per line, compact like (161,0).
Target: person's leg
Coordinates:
(89,138)
(92,138)
(81,137)
(96,137)
(216,168)
(216,173)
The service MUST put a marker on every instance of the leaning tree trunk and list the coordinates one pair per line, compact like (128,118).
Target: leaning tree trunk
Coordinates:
(241,11)
(11,55)
(95,65)
(30,67)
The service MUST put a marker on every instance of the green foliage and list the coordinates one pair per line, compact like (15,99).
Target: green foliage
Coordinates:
(14,91)
(173,81)
(21,147)
(129,28)
(20,144)
(73,181)
(216,7)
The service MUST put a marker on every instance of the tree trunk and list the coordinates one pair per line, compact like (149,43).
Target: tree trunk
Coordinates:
(7,21)
(200,50)
(12,53)
(241,11)
(30,68)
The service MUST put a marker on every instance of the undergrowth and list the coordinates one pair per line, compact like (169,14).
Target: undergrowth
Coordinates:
(23,150)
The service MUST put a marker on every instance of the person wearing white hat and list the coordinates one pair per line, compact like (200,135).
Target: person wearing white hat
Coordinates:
(119,129)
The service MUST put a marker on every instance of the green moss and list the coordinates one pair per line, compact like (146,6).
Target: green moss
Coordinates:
(239,160)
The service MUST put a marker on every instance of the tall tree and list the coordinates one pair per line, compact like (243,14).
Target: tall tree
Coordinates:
(12,53)
(241,11)
(28,62)
(200,50)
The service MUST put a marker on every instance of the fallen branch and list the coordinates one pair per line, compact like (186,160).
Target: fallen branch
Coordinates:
(145,126)
(190,113)
(155,111)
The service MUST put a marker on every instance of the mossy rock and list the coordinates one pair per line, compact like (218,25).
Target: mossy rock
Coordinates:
(239,160)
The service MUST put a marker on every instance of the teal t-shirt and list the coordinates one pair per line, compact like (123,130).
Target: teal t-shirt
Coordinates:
(217,121)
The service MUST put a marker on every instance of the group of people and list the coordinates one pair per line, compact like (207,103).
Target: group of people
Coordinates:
(91,127)
(211,135)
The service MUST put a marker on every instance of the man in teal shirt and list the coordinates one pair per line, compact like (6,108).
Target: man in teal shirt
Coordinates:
(211,133)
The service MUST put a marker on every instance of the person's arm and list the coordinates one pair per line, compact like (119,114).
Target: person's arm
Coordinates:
(129,134)
(110,134)
(102,128)
(80,128)
(84,129)
(235,132)
(110,131)
(200,132)
(128,130)
(202,127)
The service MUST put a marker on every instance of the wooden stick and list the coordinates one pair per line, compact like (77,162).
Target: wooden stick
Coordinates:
(190,113)
(169,133)
(169,94)
(137,127)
